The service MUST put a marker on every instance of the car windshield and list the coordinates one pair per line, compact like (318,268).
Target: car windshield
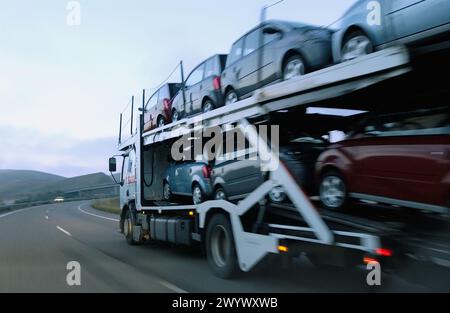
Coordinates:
(430,122)
(308,140)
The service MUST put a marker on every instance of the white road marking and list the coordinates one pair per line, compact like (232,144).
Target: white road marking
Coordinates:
(14,212)
(99,216)
(172,287)
(46,217)
(64,231)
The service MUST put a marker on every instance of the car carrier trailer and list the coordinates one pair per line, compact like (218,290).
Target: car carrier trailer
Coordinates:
(237,236)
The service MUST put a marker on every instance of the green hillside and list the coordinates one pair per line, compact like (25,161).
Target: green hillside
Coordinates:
(14,183)
(18,184)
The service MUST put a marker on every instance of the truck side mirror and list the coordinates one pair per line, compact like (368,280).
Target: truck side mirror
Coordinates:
(112,165)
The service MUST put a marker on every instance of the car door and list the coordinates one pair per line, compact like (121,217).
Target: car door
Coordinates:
(231,74)
(271,36)
(249,64)
(398,161)
(176,181)
(184,177)
(240,169)
(193,90)
(163,97)
(151,113)
(409,17)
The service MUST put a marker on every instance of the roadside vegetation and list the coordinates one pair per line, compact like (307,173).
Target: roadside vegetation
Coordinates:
(110,205)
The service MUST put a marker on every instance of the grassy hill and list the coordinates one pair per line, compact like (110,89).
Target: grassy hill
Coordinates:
(79,182)
(14,183)
(17,184)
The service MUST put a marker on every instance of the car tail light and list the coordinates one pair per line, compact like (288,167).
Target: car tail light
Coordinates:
(217,83)
(383,252)
(206,171)
(368,260)
(167,104)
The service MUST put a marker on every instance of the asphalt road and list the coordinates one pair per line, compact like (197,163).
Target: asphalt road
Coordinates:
(36,245)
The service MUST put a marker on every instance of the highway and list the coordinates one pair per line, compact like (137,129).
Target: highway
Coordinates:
(37,243)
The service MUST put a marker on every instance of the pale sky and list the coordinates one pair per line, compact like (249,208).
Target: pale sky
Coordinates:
(62,87)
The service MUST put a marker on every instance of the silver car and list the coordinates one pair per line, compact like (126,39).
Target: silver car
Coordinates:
(373,25)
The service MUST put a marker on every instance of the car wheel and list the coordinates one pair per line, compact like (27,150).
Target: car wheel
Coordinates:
(167,192)
(161,122)
(355,45)
(220,248)
(219,194)
(294,67)
(197,195)
(208,106)
(175,116)
(333,191)
(277,195)
(231,97)
(128,228)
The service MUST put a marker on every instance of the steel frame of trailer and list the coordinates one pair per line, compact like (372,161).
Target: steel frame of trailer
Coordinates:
(325,84)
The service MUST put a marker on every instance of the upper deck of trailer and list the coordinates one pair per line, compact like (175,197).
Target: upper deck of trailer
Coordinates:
(328,83)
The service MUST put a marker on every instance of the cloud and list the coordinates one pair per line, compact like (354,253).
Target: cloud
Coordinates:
(24,148)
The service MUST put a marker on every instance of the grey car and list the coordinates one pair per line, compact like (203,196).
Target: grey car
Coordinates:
(189,179)
(372,25)
(236,171)
(272,52)
(202,89)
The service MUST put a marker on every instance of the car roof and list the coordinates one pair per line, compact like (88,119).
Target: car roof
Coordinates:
(280,23)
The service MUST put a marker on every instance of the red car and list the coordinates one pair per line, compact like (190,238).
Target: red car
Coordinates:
(401,159)
(158,109)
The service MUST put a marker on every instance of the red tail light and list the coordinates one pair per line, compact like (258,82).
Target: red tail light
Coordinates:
(167,104)
(368,260)
(206,171)
(383,252)
(217,83)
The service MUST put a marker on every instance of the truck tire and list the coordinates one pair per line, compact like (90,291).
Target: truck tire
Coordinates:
(220,248)
(128,228)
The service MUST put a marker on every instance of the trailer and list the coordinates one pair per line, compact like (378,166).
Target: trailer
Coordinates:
(237,236)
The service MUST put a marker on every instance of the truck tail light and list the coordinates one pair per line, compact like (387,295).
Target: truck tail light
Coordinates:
(167,104)
(368,260)
(206,171)
(217,83)
(383,252)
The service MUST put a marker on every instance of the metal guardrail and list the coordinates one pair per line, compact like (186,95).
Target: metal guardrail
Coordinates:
(113,192)
(93,188)
(17,206)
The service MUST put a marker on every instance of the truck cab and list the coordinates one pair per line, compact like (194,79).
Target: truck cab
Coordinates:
(127,177)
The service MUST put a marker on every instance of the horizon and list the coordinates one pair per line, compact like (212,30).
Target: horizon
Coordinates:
(41,172)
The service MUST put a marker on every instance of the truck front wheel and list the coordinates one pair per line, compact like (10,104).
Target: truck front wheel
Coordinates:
(128,228)
(220,248)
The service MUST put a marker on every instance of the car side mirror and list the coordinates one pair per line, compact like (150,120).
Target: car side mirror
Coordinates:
(272,31)
(112,165)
